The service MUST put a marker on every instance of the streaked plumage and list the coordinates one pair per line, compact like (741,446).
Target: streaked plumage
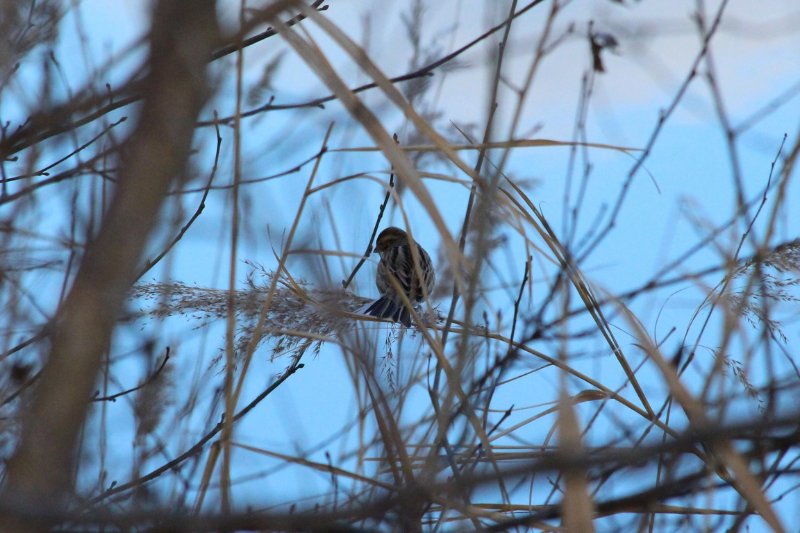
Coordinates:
(397,263)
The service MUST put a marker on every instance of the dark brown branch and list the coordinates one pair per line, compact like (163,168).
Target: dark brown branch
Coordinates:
(382,208)
(27,137)
(152,377)
(198,446)
(61,176)
(783,435)
(266,34)
(57,120)
(295,169)
(426,70)
(663,116)
(151,263)
(44,171)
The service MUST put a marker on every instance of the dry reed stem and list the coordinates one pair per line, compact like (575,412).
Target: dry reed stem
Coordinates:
(743,481)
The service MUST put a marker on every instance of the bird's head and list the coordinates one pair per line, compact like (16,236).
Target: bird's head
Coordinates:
(389,238)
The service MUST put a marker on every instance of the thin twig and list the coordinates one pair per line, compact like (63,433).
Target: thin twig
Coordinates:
(152,377)
(382,208)
(426,70)
(201,206)
(198,446)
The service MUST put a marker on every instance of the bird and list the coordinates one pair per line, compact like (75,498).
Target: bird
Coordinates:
(397,271)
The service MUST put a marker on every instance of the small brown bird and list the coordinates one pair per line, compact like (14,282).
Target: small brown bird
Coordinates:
(397,263)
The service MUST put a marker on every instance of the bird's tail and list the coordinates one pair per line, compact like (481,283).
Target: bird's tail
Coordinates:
(385,307)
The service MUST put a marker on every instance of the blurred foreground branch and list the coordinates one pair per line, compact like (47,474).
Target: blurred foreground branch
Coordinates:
(175,90)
